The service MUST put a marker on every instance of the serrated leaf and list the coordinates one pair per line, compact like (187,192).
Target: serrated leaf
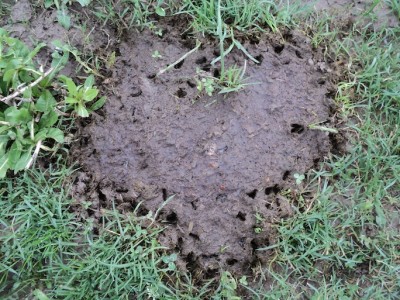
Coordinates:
(4,128)
(82,111)
(3,63)
(46,102)
(64,19)
(15,62)
(3,165)
(90,94)
(55,134)
(98,104)
(243,280)
(171,266)
(58,44)
(170,258)
(22,131)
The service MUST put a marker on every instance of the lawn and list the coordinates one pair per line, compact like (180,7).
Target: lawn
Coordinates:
(214,149)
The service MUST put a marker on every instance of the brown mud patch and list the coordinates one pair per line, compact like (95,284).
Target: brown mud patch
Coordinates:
(225,159)
(384,15)
(30,23)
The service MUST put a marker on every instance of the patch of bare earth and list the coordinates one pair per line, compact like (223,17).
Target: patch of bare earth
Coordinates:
(225,159)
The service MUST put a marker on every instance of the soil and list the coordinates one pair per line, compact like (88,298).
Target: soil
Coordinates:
(33,24)
(220,167)
(223,159)
(356,7)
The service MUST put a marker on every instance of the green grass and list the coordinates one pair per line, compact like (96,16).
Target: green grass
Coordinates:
(37,229)
(63,16)
(4,8)
(47,250)
(128,14)
(395,6)
(321,27)
(45,246)
(342,243)
(226,20)
(344,233)
(241,15)
(122,262)
(245,17)
(283,287)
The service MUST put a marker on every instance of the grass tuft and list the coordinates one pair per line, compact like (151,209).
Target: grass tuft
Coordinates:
(37,229)
(346,233)
(122,262)
(45,250)
(245,17)
(395,7)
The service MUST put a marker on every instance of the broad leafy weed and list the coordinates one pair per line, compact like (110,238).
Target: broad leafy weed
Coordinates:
(341,243)
(32,102)
(62,9)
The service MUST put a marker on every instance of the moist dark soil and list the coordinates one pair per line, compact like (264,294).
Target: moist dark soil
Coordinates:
(219,161)
(385,16)
(222,167)
(33,24)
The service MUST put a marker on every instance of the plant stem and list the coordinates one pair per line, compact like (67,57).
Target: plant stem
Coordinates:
(198,43)
(34,156)
(221,40)
(7,100)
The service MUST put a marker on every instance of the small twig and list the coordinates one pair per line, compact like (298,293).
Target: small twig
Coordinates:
(47,148)
(34,156)
(108,38)
(32,130)
(160,208)
(222,36)
(323,128)
(244,70)
(7,100)
(110,231)
(180,59)
(61,113)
